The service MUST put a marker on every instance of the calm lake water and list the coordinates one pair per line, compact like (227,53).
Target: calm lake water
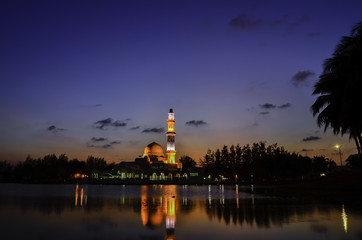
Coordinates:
(165,212)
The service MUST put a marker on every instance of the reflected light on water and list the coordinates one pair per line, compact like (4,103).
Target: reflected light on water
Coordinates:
(79,196)
(149,212)
(344,219)
(154,209)
(237,195)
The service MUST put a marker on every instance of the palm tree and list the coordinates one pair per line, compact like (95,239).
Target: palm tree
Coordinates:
(340,87)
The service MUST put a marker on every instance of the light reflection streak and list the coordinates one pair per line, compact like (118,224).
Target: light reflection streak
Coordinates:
(163,206)
(76,195)
(344,218)
(209,196)
(79,195)
(237,195)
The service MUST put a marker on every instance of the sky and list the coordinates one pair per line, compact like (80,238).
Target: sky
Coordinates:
(99,77)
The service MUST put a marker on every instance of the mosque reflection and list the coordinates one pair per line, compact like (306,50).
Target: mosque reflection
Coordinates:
(165,207)
(155,208)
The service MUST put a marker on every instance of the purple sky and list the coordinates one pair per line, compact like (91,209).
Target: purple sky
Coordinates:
(98,77)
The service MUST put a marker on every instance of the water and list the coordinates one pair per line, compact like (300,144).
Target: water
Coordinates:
(165,212)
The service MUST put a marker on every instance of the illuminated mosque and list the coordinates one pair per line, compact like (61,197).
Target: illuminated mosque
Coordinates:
(154,164)
(154,152)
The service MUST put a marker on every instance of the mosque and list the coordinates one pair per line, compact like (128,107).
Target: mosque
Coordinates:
(154,152)
(154,164)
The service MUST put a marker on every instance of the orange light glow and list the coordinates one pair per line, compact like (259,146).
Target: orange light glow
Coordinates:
(76,196)
(81,196)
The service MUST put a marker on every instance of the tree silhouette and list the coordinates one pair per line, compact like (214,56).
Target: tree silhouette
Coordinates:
(339,102)
(353,161)
(187,162)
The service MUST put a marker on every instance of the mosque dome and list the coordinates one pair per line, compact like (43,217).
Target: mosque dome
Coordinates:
(154,149)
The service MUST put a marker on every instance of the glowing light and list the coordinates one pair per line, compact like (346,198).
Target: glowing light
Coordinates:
(237,195)
(81,196)
(344,219)
(76,196)
(170,150)
(144,206)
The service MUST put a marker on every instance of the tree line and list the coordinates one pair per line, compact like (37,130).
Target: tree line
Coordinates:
(255,162)
(51,168)
(259,162)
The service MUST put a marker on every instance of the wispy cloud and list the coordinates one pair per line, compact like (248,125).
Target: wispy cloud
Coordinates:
(311,138)
(104,146)
(153,130)
(291,24)
(245,22)
(267,106)
(301,77)
(103,124)
(286,105)
(196,123)
(264,113)
(270,106)
(134,128)
(101,139)
(54,129)
(306,150)
(101,142)
(314,34)
(119,124)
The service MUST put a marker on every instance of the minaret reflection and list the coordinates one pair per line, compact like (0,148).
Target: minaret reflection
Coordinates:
(153,208)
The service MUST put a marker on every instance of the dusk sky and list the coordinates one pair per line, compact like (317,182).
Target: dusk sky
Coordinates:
(99,77)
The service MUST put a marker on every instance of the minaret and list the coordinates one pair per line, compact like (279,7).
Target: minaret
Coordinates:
(171,151)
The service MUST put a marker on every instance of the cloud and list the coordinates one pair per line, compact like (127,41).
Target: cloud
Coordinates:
(311,138)
(196,123)
(94,139)
(51,128)
(103,124)
(314,34)
(301,77)
(101,143)
(286,105)
(264,113)
(119,124)
(104,146)
(267,106)
(306,150)
(134,128)
(55,129)
(153,130)
(245,22)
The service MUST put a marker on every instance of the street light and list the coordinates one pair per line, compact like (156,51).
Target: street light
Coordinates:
(340,153)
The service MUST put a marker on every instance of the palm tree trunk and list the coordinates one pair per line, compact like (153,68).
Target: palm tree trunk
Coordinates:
(359,148)
(358,140)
